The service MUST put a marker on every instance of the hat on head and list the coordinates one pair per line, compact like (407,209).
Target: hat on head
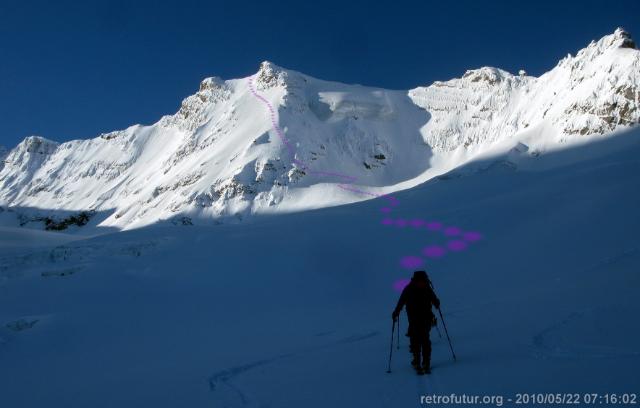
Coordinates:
(420,275)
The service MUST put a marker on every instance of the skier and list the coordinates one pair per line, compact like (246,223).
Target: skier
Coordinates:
(418,296)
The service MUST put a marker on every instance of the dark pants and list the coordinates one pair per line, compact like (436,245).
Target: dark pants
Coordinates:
(420,343)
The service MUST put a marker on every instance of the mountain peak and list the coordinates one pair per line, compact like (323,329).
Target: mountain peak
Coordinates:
(271,75)
(619,39)
(622,39)
(269,65)
(490,75)
(601,50)
(38,144)
(211,83)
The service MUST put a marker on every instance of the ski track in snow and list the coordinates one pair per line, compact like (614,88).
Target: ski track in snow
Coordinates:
(459,238)
(224,377)
(545,346)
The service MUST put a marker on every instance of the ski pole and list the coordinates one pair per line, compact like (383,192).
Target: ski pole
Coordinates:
(434,323)
(443,324)
(447,333)
(398,335)
(393,327)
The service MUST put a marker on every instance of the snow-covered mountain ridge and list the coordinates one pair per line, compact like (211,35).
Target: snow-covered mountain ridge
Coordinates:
(219,155)
(591,93)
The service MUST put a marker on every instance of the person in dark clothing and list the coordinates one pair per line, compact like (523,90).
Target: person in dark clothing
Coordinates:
(418,297)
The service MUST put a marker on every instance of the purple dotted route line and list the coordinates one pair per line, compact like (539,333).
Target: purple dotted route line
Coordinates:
(458,240)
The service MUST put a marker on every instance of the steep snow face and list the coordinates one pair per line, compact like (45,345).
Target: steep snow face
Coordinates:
(222,155)
(591,93)
(370,134)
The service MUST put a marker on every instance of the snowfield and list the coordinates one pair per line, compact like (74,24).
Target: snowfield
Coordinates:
(198,262)
(294,310)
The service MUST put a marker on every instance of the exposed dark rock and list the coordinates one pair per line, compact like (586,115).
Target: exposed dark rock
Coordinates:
(53,224)
(184,220)
(79,220)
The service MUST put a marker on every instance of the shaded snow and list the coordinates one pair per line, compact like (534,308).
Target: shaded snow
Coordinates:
(294,310)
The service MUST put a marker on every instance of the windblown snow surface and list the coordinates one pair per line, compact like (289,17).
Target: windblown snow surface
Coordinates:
(292,308)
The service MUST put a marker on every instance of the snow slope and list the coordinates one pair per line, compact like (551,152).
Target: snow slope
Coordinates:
(291,311)
(220,157)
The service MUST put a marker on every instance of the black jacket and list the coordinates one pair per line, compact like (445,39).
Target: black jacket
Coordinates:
(418,302)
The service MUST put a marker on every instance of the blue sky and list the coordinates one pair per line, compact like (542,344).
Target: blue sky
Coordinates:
(70,71)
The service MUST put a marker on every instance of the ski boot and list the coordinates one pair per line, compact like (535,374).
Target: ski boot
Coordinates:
(415,362)
(426,366)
